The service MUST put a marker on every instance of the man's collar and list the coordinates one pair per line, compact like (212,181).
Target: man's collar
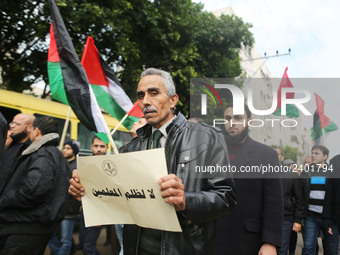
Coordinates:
(71,159)
(40,142)
(163,128)
(244,140)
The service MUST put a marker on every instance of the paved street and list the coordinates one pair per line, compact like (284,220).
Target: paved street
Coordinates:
(106,250)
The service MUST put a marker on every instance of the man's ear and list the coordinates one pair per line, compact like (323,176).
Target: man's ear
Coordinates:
(250,120)
(325,157)
(30,128)
(173,101)
(36,132)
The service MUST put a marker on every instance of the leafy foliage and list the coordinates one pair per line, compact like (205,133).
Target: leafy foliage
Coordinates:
(176,36)
(288,152)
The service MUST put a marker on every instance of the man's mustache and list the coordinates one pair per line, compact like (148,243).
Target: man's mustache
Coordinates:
(149,109)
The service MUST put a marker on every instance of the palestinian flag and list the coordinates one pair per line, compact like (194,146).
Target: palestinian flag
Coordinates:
(291,110)
(109,93)
(79,94)
(321,121)
(55,76)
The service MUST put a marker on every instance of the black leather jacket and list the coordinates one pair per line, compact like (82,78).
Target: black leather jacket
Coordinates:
(189,145)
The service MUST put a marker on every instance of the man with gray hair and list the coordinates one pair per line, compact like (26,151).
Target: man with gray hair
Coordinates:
(198,200)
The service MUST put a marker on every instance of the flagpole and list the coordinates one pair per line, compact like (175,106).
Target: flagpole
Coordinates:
(120,123)
(324,137)
(113,145)
(67,121)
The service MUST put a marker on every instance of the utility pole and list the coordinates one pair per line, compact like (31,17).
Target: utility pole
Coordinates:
(266,57)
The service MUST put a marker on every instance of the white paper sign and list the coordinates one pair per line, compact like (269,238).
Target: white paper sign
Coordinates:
(123,189)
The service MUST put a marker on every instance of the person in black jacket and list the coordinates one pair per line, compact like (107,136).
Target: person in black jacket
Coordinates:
(31,204)
(294,204)
(19,132)
(331,212)
(198,201)
(3,133)
(20,128)
(64,244)
(316,207)
(255,226)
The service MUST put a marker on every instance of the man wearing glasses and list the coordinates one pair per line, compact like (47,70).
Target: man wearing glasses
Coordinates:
(20,134)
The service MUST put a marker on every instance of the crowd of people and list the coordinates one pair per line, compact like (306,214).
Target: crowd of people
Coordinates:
(224,213)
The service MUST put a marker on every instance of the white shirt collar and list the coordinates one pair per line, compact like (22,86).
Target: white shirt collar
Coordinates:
(163,130)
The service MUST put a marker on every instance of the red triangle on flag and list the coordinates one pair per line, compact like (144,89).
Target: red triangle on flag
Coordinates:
(320,104)
(285,83)
(53,55)
(135,111)
(91,63)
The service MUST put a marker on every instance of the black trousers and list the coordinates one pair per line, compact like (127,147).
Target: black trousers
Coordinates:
(19,244)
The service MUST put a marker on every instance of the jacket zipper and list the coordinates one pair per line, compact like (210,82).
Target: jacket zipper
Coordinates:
(163,244)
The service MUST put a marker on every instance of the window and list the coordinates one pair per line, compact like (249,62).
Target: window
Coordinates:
(60,124)
(9,113)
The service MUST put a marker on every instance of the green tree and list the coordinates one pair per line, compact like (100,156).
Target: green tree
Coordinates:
(218,41)
(288,152)
(23,29)
(176,36)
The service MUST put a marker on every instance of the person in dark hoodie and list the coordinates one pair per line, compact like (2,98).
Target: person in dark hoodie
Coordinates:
(32,201)
(63,246)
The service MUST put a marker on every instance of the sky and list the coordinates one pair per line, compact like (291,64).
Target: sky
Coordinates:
(310,30)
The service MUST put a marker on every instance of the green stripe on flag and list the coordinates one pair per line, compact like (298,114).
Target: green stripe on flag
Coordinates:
(317,130)
(106,102)
(128,122)
(103,137)
(291,111)
(56,81)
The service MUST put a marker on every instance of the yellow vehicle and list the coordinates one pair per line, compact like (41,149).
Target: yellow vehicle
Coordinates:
(12,103)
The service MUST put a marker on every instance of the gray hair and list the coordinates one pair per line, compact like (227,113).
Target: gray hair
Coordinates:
(166,79)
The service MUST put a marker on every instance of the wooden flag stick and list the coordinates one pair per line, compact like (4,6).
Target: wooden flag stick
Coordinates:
(67,121)
(113,145)
(324,137)
(120,123)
